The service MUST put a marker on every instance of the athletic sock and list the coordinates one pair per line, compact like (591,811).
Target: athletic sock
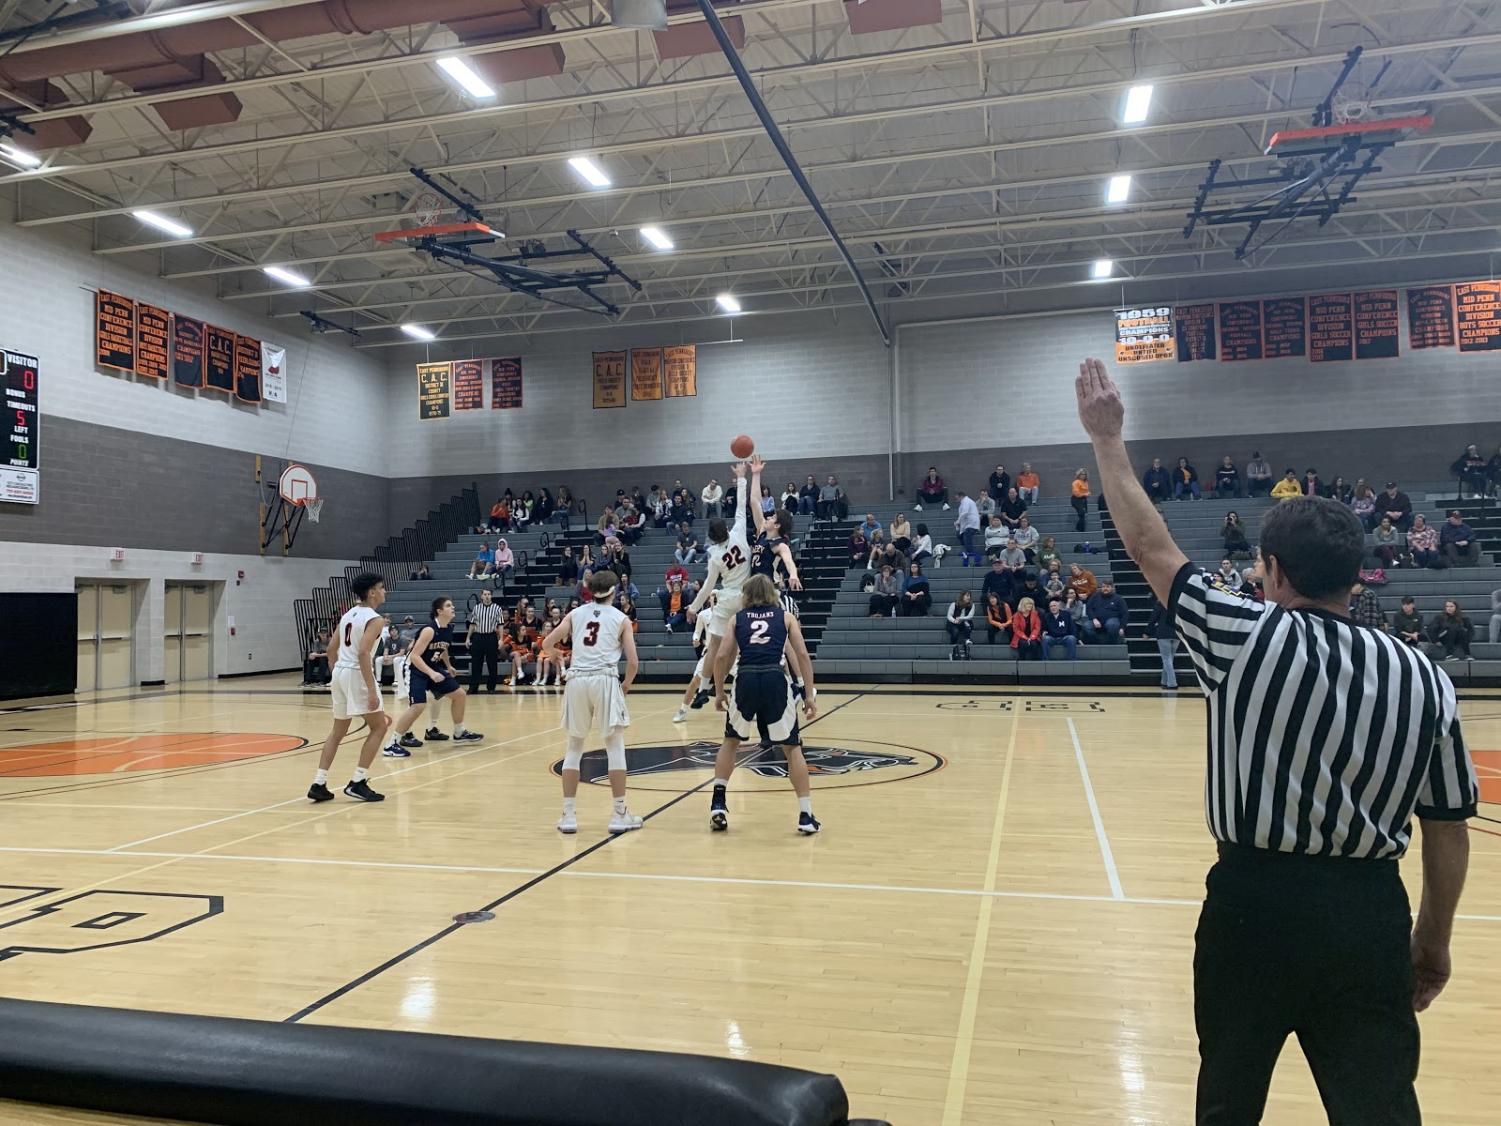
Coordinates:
(321,778)
(460,730)
(360,774)
(568,807)
(620,806)
(805,805)
(721,783)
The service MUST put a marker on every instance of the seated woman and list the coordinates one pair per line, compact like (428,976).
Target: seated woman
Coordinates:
(1472,472)
(961,626)
(997,619)
(767,501)
(1077,610)
(1450,634)
(1422,542)
(484,562)
(1026,631)
(607,528)
(500,516)
(857,551)
(1233,532)
(996,537)
(932,490)
(1186,480)
(900,532)
(1341,490)
(922,546)
(542,511)
(789,498)
(505,558)
(916,595)
(1363,503)
(563,510)
(1081,580)
(627,606)
(1387,543)
(886,595)
(1027,538)
(1048,553)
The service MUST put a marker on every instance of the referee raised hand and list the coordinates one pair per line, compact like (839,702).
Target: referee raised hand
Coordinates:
(1324,740)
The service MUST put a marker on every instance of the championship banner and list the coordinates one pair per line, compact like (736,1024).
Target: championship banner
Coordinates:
(433,383)
(187,351)
(273,373)
(219,359)
(1331,328)
(609,380)
(1430,317)
(646,374)
(247,369)
(153,341)
(1194,325)
(1144,336)
(468,385)
(114,331)
(1377,317)
(1477,312)
(1240,330)
(1284,328)
(505,384)
(680,371)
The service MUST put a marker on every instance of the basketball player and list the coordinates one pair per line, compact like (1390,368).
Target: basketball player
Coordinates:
(763,702)
(431,671)
(729,563)
(353,688)
(697,694)
(772,555)
(594,700)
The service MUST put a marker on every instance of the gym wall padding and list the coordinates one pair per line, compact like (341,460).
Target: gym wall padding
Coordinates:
(39,639)
(248,1073)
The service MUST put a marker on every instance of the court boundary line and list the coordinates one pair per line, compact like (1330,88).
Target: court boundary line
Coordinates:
(1106,853)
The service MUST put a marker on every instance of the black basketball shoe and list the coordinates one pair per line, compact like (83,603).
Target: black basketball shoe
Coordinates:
(361,791)
(319,792)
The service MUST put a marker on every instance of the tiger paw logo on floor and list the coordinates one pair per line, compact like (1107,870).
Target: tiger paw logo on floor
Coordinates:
(829,764)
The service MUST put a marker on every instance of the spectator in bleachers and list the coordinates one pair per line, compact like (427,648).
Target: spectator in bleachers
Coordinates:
(1493,471)
(1313,485)
(1026,585)
(1053,585)
(986,505)
(916,594)
(998,582)
(1472,471)
(422,574)
(1450,633)
(1250,585)
(996,537)
(789,497)
(1396,504)
(682,506)
(659,504)
(315,664)
(1457,541)
(674,604)
(997,619)
(618,559)
(886,594)
(1422,543)
(961,626)
(1081,580)
(1107,615)
(1047,552)
(563,510)
(932,490)
(1341,490)
(605,528)
(1000,482)
(922,546)
(1027,538)
(807,497)
(1258,476)
(1163,630)
(1028,483)
(1388,544)
(900,533)
(505,558)
(500,516)
(638,498)
(967,525)
(1288,487)
(1013,557)
(1026,631)
(1228,577)
(1233,532)
(1077,609)
(680,573)
(1495,625)
(689,550)
(1226,478)
(857,550)
(521,515)
(1365,608)
(870,526)
(1157,482)
(1363,504)
(1079,497)
(1407,623)
(767,501)
(889,556)
(484,562)
(1058,629)
(633,525)
(1012,509)
(1186,480)
(544,508)
(832,504)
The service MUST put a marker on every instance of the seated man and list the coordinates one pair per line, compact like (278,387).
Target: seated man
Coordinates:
(1013,557)
(870,527)
(682,507)
(679,573)
(712,496)
(1027,589)
(986,504)
(998,582)
(1106,614)
(1288,487)
(1365,608)
(689,550)
(315,664)
(1395,504)
(932,490)
(832,503)
(1011,509)
(1456,541)
(1028,485)
(674,602)
(1226,478)
(807,497)
(997,535)
(422,574)
(1407,623)
(1258,476)
(389,654)
(1157,482)
(1058,629)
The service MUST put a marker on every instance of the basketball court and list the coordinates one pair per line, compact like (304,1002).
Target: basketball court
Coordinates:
(994,927)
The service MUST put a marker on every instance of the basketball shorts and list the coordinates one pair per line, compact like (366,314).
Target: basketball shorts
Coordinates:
(350,696)
(401,670)
(594,705)
(726,606)
(422,686)
(763,705)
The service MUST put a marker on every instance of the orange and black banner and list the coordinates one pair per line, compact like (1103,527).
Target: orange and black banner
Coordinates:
(505,384)
(609,380)
(680,371)
(1194,327)
(646,374)
(1144,336)
(468,385)
(1284,328)
(1430,317)
(1377,325)
(433,383)
(1331,328)
(1240,330)
(247,369)
(187,351)
(1477,313)
(219,359)
(114,331)
(153,341)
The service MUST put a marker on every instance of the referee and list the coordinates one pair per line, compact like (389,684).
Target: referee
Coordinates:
(1324,739)
(483,639)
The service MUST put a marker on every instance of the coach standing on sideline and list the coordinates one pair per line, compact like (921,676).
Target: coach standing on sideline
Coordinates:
(1324,739)
(484,641)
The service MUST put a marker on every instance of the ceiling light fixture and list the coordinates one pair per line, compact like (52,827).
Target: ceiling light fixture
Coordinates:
(162,223)
(417,332)
(1118,190)
(1102,269)
(465,76)
(286,276)
(1138,103)
(589,171)
(728,302)
(657,238)
(19,156)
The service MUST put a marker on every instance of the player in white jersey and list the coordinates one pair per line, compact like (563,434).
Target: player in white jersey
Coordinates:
(354,689)
(729,565)
(594,699)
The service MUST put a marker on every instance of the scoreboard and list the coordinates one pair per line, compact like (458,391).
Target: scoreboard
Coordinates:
(20,473)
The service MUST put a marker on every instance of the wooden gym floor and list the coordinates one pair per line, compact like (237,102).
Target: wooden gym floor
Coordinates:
(995,926)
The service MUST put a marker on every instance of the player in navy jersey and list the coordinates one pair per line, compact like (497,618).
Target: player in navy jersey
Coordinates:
(432,671)
(772,554)
(764,703)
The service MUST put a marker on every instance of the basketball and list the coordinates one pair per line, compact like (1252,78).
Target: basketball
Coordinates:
(742,447)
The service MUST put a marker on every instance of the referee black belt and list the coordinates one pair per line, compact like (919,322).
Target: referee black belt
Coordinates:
(1247,857)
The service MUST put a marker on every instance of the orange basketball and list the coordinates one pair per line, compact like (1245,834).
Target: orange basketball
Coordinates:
(742,447)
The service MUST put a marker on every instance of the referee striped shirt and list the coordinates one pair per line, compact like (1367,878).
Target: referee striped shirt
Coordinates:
(485,619)
(1324,737)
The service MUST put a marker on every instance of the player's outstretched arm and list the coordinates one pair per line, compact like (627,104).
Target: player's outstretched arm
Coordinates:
(560,633)
(804,664)
(729,648)
(794,580)
(738,469)
(632,662)
(1141,526)
(756,465)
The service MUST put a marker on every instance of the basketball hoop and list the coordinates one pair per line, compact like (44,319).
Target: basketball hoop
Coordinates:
(313,506)
(426,208)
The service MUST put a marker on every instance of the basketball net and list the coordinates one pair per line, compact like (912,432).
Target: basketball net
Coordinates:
(426,208)
(314,508)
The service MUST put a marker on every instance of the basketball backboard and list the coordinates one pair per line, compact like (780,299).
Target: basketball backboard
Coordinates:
(298,486)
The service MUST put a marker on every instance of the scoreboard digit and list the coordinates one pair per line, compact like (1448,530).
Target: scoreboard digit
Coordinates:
(19,469)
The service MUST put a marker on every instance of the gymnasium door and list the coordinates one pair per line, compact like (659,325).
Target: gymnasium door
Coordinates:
(106,626)
(187,615)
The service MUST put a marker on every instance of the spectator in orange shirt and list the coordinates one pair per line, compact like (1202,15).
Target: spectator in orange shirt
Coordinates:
(1080,498)
(997,619)
(1081,581)
(674,604)
(1028,483)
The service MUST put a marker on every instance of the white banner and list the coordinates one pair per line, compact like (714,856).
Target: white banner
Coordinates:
(273,374)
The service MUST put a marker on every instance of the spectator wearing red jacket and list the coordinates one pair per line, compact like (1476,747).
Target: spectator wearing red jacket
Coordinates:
(1026,631)
(932,490)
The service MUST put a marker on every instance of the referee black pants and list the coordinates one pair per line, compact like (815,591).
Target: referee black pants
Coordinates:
(484,650)
(1313,947)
